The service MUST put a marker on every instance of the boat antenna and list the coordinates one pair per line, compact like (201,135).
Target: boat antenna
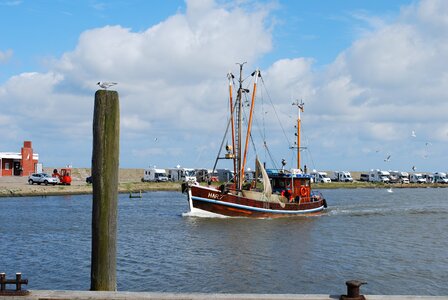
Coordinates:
(300,107)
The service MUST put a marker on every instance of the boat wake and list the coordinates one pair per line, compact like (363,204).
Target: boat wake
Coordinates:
(384,211)
(196,213)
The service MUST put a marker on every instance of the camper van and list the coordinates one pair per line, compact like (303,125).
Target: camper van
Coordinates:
(417,178)
(379,176)
(440,177)
(320,177)
(342,176)
(429,178)
(153,174)
(224,175)
(205,175)
(400,177)
(182,174)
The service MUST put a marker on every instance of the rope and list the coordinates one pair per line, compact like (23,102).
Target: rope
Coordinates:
(275,111)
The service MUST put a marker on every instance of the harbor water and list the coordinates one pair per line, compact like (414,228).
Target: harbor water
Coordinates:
(396,241)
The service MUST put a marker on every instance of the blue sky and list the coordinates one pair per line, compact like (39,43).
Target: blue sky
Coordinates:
(369,72)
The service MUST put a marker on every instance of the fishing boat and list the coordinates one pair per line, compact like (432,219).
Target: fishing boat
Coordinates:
(271,193)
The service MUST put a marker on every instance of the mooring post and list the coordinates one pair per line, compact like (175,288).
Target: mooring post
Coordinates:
(353,290)
(2,281)
(105,157)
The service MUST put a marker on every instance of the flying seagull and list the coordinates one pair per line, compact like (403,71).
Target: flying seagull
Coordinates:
(413,134)
(106,84)
(387,158)
(414,168)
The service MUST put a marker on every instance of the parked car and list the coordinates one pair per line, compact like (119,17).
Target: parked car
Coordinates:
(42,178)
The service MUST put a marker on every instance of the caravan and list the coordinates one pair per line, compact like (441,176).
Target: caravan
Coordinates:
(342,176)
(320,177)
(400,177)
(225,175)
(205,175)
(153,174)
(182,174)
(440,177)
(417,178)
(379,176)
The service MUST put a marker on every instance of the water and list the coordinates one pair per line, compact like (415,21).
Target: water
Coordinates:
(397,242)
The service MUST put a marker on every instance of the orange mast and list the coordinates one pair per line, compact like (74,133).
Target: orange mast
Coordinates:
(300,106)
(230,76)
(249,125)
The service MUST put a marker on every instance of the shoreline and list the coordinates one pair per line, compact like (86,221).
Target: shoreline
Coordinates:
(18,187)
(84,189)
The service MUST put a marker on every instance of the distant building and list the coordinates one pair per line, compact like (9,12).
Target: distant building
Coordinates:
(21,163)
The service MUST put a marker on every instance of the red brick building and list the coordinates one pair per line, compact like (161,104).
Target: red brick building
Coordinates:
(21,163)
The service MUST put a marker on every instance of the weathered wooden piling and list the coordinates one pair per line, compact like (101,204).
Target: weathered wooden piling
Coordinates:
(105,157)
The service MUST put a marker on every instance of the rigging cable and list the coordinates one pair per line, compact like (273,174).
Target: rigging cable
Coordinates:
(275,111)
(263,131)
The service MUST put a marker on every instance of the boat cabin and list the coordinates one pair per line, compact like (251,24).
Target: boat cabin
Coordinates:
(294,186)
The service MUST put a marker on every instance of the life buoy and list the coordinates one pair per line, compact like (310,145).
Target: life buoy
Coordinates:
(303,191)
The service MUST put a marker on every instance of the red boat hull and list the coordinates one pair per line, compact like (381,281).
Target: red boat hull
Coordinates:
(212,200)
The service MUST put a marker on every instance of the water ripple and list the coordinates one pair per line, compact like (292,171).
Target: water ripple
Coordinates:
(396,241)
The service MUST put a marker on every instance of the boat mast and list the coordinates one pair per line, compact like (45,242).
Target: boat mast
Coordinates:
(239,107)
(249,125)
(231,77)
(300,106)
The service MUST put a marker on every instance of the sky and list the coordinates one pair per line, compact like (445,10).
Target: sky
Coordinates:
(373,76)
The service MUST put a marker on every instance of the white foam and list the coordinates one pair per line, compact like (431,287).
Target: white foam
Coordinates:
(199,213)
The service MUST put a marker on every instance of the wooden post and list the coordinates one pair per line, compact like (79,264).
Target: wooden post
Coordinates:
(105,156)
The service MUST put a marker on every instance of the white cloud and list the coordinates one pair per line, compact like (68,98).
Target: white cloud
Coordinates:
(172,85)
(391,80)
(171,76)
(5,55)
(12,2)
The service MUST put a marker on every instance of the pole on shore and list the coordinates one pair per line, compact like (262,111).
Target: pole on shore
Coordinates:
(105,158)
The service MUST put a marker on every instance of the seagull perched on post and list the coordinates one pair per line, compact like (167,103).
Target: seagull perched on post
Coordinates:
(106,84)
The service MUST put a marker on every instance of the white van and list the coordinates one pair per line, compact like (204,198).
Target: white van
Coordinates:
(182,174)
(342,176)
(154,175)
(401,177)
(440,177)
(320,177)
(417,178)
(379,176)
